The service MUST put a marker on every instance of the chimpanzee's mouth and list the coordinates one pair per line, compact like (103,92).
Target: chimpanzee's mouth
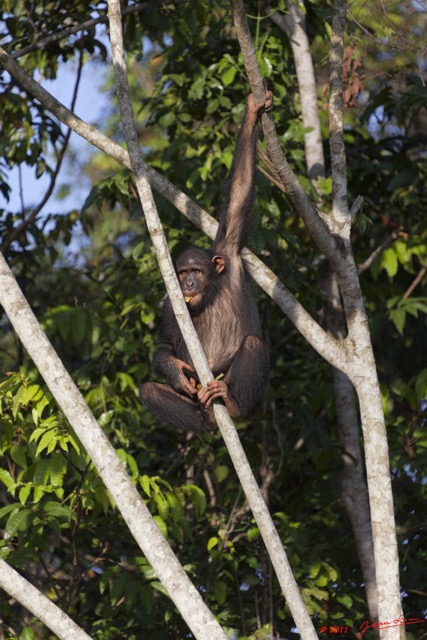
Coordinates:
(192,299)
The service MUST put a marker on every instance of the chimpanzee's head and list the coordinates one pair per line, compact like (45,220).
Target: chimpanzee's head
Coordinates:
(198,275)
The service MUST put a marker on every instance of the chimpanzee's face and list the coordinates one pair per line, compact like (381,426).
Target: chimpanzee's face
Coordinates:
(194,270)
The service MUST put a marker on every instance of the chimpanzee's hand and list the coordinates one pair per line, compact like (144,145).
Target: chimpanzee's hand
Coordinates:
(218,389)
(255,109)
(182,377)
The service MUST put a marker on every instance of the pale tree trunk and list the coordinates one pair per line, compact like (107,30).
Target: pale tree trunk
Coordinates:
(328,348)
(252,492)
(341,354)
(331,233)
(354,491)
(293,24)
(133,509)
(26,594)
(363,371)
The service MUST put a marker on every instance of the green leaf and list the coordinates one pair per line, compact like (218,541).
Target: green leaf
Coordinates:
(46,440)
(197,89)
(145,484)
(147,598)
(253,534)
(228,76)
(220,591)
(398,317)
(79,326)
(325,185)
(7,480)
(212,542)
(24,492)
(41,472)
(10,507)
(18,455)
(36,434)
(27,634)
(212,106)
(389,262)
(18,521)
(421,385)
(161,524)
(162,505)
(57,510)
(197,497)
(57,468)
(221,472)
(315,570)
(346,601)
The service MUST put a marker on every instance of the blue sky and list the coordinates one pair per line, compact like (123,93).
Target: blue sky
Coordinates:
(90,104)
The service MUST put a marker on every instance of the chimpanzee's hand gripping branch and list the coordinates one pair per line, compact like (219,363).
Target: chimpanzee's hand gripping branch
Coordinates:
(222,307)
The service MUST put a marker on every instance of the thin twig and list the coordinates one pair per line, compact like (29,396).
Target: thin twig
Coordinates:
(322,342)
(378,251)
(415,283)
(87,24)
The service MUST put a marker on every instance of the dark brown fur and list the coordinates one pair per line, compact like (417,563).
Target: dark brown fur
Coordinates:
(223,310)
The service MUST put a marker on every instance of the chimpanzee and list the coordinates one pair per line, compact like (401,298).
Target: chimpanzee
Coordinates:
(223,310)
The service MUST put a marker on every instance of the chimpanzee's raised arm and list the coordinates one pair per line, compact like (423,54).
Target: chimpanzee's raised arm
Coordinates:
(235,214)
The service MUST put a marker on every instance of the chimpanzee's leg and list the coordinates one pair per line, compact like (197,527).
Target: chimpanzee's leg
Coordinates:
(174,409)
(248,373)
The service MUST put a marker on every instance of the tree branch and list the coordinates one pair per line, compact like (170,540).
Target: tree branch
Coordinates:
(185,596)
(32,599)
(293,25)
(315,223)
(378,251)
(340,210)
(225,424)
(87,24)
(324,344)
(415,282)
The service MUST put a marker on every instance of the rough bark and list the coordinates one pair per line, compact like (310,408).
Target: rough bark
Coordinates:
(293,24)
(133,509)
(332,236)
(26,594)
(354,491)
(253,495)
(353,485)
(267,280)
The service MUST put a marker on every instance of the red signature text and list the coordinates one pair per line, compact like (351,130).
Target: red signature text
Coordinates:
(335,630)
(398,622)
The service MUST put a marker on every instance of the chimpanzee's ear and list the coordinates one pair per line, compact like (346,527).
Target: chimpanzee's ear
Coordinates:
(218,263)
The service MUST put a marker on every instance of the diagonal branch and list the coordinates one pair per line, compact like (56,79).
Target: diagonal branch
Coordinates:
(182,591)
(415,282)
(271,538)
(32,599)
(325,345)
(378,251)
(316,225)
(228,431)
